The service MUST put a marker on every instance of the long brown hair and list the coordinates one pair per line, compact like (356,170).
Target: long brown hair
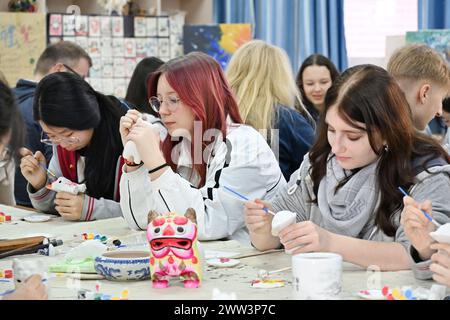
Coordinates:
(368,94)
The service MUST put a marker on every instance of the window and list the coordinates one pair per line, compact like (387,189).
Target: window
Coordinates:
(369,22)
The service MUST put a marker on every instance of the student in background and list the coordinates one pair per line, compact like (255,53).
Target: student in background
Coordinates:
(207,148)
(11,139)
(63,56)
(346,192)
(316,75)
(424,77)
(267,98)
(82,127)
(446,120)
(137,88)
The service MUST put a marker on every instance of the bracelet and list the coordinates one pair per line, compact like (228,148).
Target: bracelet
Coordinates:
(158,168)
(132,164)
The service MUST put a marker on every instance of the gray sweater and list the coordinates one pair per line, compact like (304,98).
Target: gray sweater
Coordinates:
(434,186)
(93,209)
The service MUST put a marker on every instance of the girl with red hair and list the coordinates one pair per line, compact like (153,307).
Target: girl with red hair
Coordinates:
(207,148)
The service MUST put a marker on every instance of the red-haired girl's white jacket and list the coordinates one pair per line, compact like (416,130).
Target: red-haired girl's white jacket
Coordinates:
(243,162)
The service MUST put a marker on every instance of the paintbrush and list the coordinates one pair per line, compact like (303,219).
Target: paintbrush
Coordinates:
(241,256)
(437,224)
(245,198)
(48,171)
(262,274)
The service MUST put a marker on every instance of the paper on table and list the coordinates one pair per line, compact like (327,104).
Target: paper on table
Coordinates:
(222,262)
(211,254)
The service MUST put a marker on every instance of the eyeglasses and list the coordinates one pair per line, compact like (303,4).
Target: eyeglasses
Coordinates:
(171,101)
(5,156)
(73,71)
(55,141)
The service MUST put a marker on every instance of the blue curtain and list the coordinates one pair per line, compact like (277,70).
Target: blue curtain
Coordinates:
(434,14)
(301,27)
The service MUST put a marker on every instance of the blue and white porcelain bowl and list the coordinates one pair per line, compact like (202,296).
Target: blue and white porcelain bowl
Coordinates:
(124,265)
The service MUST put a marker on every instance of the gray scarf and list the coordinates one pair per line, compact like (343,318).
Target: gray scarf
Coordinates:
(351,209)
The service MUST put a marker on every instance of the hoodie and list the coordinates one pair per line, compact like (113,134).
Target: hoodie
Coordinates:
(432,184)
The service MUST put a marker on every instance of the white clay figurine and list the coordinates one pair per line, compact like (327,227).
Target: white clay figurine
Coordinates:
(65,185)
(130,151)
(442,234)
(23,269)
(281,220)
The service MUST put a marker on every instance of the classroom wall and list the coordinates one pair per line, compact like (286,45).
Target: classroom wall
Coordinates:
(197,11)
(392,44)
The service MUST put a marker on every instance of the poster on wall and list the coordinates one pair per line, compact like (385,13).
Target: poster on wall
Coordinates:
(219,41)
(22,40)
(116,44)
(439,40)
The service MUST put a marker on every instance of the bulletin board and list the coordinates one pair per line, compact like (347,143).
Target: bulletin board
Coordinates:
(22,40)
(117,43)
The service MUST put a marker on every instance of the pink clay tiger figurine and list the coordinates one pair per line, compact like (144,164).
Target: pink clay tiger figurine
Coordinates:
(174,249)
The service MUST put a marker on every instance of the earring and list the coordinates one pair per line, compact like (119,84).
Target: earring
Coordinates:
(386,148)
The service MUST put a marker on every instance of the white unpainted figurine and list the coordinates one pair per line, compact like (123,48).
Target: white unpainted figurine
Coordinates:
(65,185)
(281,220)
(23,269)
(442,234)
(130,151)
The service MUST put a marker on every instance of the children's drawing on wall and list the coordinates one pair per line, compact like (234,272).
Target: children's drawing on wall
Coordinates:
(55,25)
(22,39)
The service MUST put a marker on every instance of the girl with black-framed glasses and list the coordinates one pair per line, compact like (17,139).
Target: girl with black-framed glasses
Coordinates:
(81,125)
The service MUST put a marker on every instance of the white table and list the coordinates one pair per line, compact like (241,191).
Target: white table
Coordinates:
(228,280)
